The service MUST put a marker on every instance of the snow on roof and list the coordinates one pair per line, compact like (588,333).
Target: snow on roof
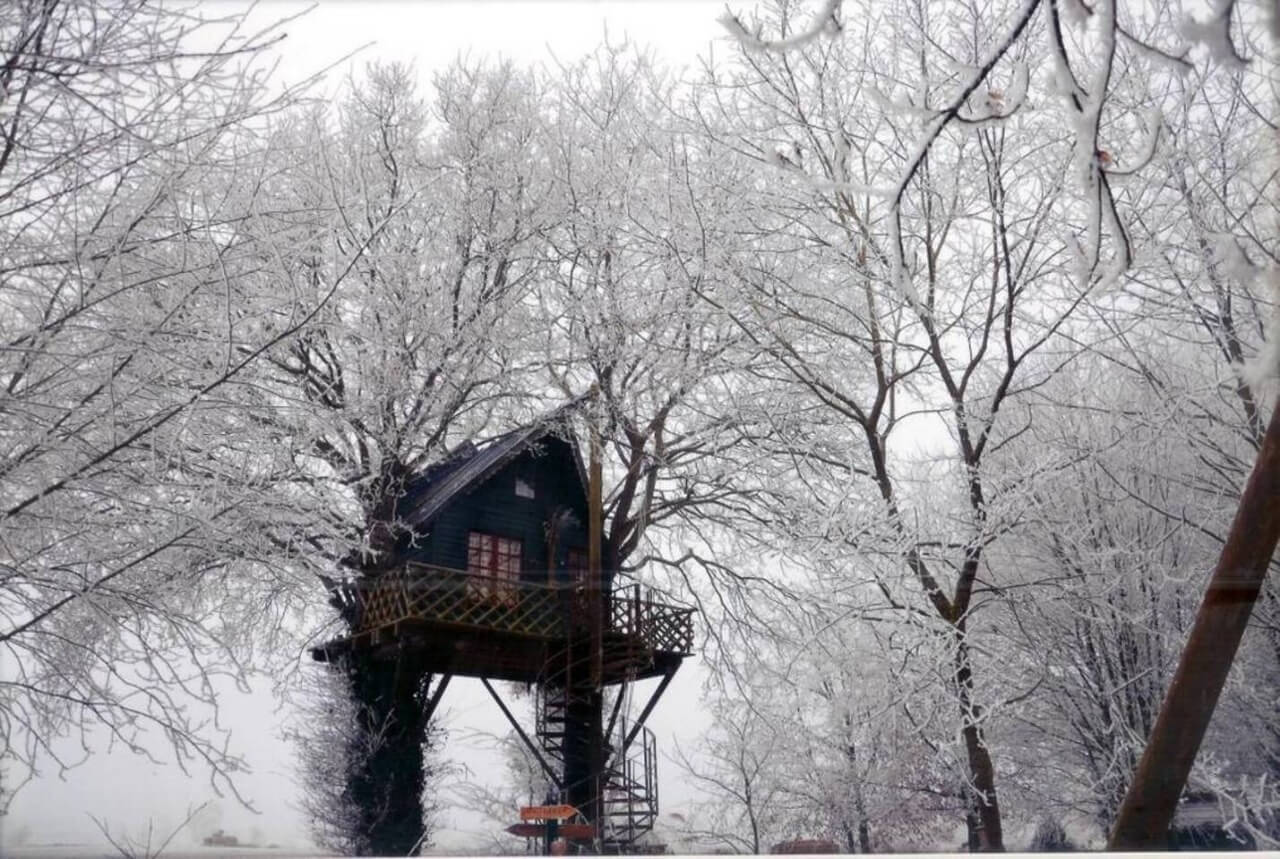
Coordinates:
(469,466)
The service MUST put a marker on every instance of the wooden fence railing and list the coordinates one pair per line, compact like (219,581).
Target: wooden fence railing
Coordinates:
(418,592)
(661,626)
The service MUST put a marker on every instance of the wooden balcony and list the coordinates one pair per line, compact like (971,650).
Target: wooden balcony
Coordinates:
(466,624)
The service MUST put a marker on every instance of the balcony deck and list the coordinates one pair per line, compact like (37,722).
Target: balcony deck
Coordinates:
(458,623)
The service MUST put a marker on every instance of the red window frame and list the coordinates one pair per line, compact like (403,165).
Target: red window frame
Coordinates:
(494,562)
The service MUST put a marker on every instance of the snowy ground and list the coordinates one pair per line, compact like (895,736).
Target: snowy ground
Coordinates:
(97,851)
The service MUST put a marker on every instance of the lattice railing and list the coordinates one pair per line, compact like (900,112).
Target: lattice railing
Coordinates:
(418,592)
(441,595)
(660,625)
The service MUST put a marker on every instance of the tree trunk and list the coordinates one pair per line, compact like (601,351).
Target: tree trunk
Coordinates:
(985,826)
(584,751)
(388,765)
(863,842)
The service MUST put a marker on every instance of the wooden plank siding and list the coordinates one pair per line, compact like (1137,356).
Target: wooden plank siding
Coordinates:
(493,507)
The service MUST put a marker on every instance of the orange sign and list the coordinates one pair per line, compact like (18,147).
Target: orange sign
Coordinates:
(577,831)
(569,831)
(548,812)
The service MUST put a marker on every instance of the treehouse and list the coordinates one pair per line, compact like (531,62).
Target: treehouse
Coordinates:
(492,580)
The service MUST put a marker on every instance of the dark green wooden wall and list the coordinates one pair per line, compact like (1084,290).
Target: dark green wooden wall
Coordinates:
(494,508)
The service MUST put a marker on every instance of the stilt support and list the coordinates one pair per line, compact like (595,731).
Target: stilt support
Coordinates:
(644,714)
(436,696)
(551,774)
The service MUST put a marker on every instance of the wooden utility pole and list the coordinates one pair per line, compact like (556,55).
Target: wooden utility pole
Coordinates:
(595,615)
(1148,807)
(595,536)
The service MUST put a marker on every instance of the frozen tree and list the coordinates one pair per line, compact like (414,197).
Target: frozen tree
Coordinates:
(645,227)
(146,555)
(1191,330)
(1105,576)
(1108,583)
(942,245)
(430,252)
(857,731)
(924,309)
(745,807)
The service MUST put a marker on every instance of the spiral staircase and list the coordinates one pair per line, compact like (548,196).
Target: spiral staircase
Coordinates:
(629,782)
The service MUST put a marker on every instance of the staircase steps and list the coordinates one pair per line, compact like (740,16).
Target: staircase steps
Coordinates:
(629,795)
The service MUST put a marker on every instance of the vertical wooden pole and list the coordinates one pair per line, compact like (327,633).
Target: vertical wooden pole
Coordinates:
(595,537)
(595,584)
(1149,805)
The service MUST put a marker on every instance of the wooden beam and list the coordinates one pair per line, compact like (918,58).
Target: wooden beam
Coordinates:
(430,709)
(595,539)
(644,714)
(617,705)
(551,774)
(1152,799)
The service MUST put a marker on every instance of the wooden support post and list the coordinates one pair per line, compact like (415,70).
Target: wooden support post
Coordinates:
(595,538)
(553,829)
(551,774)
(595,597)
(644,714)
(430,709)
(1152,799)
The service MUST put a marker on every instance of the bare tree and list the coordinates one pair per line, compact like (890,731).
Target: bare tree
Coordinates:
(141,518)
(745,808)
(924,309)
(645,226)
(435,209)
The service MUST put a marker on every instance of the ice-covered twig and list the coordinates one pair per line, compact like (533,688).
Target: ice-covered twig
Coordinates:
(1215,34)
(1178,60)
(1094,163)
(825,21)
(1154,122)
(779,159)
(944,118)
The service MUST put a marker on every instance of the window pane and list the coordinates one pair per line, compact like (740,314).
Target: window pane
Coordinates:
(490,558)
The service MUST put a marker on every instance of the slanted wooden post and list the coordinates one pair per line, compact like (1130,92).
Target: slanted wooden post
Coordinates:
(1152,799)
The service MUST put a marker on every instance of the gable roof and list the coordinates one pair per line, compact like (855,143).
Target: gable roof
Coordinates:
(426,495)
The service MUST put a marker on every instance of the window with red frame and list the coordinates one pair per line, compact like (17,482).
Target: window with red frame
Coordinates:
(495,562)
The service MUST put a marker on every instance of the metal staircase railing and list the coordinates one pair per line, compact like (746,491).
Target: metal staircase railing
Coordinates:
(629,786)
(630,794)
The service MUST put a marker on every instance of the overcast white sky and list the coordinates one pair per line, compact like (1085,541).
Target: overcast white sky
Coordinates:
(431,33)
(128,791)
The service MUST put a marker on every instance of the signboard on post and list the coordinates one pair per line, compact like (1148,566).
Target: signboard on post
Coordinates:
(547,812)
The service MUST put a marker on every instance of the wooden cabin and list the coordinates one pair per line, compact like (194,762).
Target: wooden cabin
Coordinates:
(491,578)
(514,511)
